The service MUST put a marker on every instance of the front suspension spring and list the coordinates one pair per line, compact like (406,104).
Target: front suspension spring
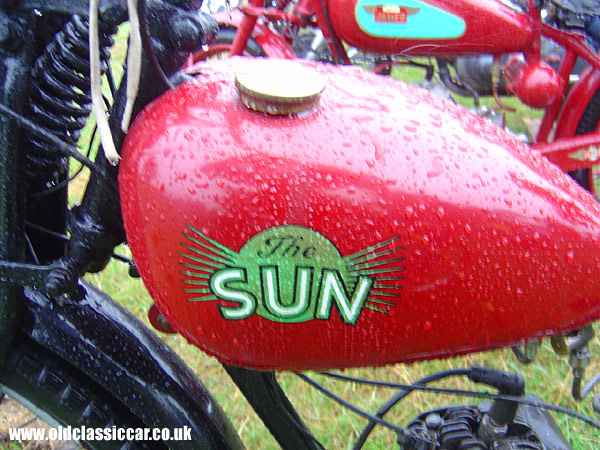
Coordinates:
(60,97)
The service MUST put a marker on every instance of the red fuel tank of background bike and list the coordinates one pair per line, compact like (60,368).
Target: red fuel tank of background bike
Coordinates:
(389,225)
(444,27)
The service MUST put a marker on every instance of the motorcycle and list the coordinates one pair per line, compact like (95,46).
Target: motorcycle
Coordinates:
(335,220)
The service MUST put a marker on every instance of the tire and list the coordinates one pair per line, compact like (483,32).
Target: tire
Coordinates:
(62,395)
(221,46)
(587,124)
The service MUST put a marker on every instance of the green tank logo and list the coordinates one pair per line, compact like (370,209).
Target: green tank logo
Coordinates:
(291,274)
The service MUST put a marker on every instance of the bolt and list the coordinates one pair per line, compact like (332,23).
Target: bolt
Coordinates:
(165,326)
(133,271)
(433,421)
(56,281)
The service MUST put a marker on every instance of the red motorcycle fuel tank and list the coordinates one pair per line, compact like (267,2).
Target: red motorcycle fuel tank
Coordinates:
(387,225)
(442,27)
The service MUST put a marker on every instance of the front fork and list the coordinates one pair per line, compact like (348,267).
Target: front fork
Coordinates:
(96,227)
(16,56)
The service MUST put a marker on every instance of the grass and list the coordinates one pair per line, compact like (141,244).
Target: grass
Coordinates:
(335,427)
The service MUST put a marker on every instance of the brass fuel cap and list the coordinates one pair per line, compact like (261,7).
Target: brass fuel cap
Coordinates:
(277,86)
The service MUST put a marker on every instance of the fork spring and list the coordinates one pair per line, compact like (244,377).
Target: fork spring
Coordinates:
(60,98)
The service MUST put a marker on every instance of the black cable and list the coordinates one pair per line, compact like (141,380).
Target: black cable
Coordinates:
(106,102)
(399,430)
(147,43)
(54,188)
(65,149)
(590,385)
(31,249)
(401,395)
(64,183)
(409,387)
(474,394)
(338,51)
(543,405)
(54,234)
(111,81)
(121,258)
(406,387)
(65,238)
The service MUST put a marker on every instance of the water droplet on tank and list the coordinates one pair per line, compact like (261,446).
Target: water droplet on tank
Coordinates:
(570,256)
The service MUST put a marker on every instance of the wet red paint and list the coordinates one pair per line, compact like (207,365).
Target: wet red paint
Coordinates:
(499,245)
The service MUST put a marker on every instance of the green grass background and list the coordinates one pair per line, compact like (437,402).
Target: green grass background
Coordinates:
(548,378)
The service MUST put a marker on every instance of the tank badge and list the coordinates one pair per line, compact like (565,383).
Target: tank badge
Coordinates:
(407,19)
(291,274)
(390,13)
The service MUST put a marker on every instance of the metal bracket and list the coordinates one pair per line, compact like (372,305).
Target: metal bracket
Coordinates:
(24,274)
(575,346)
(526,353)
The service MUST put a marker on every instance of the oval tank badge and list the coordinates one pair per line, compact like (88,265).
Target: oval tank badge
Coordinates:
(407,19)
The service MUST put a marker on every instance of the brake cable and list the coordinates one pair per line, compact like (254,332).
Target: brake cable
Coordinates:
(65,149)
(465,393)
(420,386)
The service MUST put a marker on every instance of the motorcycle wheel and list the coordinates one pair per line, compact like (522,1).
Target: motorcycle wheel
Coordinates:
(221,46)
(587,124)
(61,395)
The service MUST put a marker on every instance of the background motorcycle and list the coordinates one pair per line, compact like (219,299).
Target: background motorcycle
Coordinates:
(69,351)
(279,31)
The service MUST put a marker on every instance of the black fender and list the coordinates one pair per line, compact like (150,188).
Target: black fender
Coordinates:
(117,351)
